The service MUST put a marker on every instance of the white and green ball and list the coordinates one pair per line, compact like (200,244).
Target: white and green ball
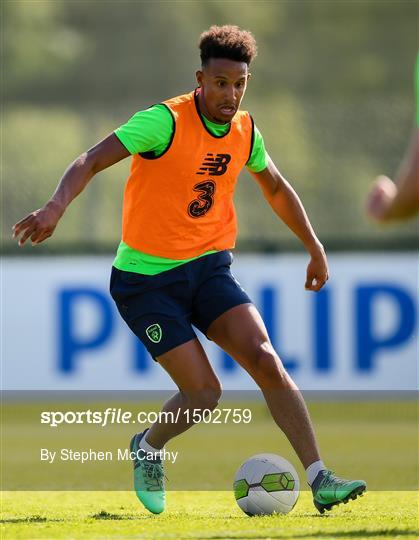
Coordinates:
(266,484)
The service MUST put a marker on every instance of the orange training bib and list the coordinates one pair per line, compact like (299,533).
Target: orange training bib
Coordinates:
(180,204)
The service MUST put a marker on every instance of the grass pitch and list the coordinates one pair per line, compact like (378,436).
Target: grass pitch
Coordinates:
(374,441)
(201,515)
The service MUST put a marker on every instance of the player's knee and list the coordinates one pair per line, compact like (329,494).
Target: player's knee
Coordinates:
(205,397)
(210,398)
(267,368)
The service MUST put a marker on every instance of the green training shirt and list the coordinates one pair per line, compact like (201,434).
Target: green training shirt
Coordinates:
(150,131)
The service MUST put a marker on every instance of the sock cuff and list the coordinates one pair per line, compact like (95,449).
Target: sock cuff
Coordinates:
(313,470)
(144,445)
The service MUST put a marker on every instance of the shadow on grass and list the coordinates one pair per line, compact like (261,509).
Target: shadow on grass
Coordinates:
(29,519)
(106,515)
(40,519)
(391,533)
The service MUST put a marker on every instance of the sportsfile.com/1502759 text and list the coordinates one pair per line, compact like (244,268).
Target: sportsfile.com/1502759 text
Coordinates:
(113,415)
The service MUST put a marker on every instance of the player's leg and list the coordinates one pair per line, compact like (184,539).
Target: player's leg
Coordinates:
(241,332)
(224,312)
(199,390)
(156,308)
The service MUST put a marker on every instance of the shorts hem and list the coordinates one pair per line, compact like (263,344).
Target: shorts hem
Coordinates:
(171,347)
(224,310)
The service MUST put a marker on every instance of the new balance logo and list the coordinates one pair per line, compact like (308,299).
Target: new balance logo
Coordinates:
(214,165)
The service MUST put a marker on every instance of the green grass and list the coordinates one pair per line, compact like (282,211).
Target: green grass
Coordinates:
(376,441)
(201,515)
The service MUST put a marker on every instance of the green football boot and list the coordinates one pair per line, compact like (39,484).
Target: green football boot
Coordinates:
(330,490)
(148,478)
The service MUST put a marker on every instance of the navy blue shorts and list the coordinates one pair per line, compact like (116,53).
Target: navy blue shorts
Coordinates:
(161,309)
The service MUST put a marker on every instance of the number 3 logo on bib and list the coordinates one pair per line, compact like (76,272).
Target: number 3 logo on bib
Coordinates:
(200,206)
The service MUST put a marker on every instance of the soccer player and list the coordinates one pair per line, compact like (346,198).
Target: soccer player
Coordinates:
(389,201)
(172,268)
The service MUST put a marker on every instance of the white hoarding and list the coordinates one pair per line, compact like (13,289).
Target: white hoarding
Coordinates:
(61,330)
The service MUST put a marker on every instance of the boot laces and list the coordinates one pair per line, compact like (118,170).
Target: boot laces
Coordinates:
(154,475)
(330,479)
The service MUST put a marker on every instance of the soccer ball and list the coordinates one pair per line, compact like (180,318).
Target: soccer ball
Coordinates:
(266,484)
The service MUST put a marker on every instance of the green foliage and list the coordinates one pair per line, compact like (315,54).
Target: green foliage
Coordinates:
(331,91)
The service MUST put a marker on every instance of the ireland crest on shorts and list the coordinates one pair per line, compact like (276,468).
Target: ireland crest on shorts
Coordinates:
(154,333)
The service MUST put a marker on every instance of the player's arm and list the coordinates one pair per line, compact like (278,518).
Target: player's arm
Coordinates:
(288,207)
(387,200)
(39,225)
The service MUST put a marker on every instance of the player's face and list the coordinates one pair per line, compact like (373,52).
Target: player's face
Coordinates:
(223,84)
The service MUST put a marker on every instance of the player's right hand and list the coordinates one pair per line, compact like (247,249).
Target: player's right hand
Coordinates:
(39,225)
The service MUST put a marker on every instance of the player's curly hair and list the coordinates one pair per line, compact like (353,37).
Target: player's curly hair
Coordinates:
(229,42)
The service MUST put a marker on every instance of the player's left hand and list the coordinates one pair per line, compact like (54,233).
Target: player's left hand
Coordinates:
(317,271)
